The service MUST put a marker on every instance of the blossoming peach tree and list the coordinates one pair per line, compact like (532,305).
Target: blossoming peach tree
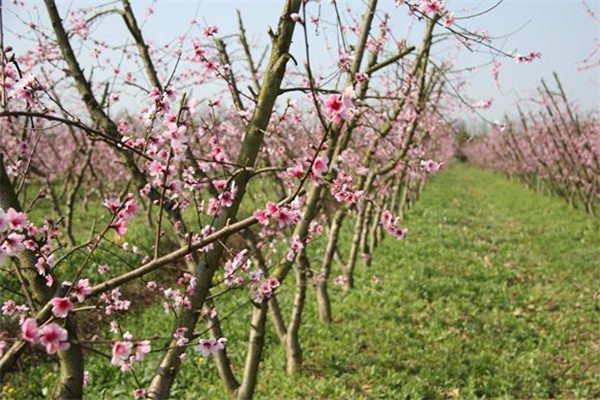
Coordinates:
(555,149)
(186,201)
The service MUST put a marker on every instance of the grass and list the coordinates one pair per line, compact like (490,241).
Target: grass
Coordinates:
(493,294)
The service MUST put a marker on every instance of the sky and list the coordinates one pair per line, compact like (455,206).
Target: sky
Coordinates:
(561,30)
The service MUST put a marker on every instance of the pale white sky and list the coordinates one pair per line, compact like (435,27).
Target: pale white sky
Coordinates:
(561,30)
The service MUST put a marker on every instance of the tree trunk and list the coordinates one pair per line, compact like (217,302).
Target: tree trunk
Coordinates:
(292,339)
(323,301)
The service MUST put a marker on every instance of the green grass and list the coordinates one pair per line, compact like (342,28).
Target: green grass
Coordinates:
(494,293)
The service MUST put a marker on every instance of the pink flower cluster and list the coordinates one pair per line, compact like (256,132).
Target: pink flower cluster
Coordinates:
(124,212)
(17,234)
(225,198)
(344,61)
(113,302)
(26,88)
(431,166)
(390,225)
(210,31)
(11,308)
(340,189)
(122,349)
(265,289)
(319,168)
(239,263)
(528,58)
(175,300)
(12,224)
(189,281)
(295,248)
(283,215)
(51,336)
(432,7)
(339,108)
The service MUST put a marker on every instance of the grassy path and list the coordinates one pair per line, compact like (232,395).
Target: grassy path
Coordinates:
(495,293)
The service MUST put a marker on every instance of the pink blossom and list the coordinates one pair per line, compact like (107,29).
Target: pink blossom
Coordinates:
(9,307)
(29,244)
(334,105)
(273,283)
(345,60)
(82,289)
(386,217)
(389,223)
(255,275)
(432,6)
(120,226)
(137,393)
(295,172)
(112,205)
(120,351)
(449,20)
(400,233)
(103,269)
(361,77)
(13,244)
(155,168)
(285,217)
(528,58)
(61,306)
(210,346)
(340,107)
(220,184)
(213,206)
(210,31)
(431,165)
(32,230)
(226,199)
(17,220)
(180,336)
(295,248)
(40,265)
(272,208)
(141,349)
(54,338)
(320,166)
(125,366)
(25,94)
(129,209)
(262,217)
(340,280)
(29,330)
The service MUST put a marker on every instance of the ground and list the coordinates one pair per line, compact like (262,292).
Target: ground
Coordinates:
(494,293)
